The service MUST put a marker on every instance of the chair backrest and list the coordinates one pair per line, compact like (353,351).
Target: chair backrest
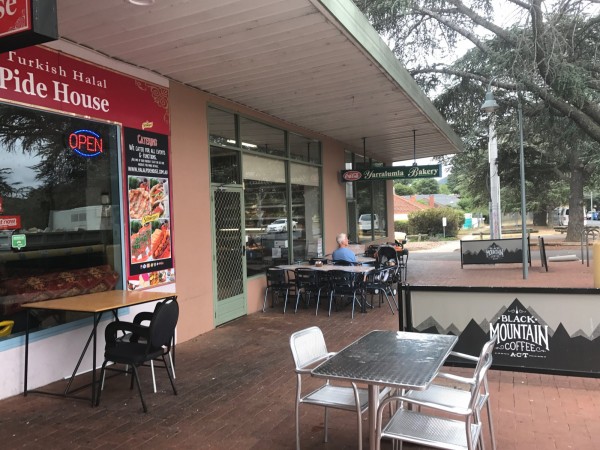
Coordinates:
(308,347)
(306,277)
(386,253)
(487,349)
(275,276)
(343,279)
(483,364)
(342,262)
(162,326)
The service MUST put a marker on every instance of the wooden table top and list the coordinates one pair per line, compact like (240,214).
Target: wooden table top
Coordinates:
(100,301)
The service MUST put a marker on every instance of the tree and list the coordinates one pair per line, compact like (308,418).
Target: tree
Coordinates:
(550,55)
(426,186)
(404,189)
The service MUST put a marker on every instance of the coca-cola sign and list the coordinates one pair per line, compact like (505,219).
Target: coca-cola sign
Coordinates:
(24,23)
(352,175)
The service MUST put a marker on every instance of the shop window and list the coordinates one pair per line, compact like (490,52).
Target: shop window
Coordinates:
(265,198)
(262,138)
(224,166)
(59,212)
(221,125)
(304,149)
(306,211)
(371,207)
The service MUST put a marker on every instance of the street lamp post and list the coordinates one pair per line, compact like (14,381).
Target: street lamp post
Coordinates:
(523,203)
(490,106)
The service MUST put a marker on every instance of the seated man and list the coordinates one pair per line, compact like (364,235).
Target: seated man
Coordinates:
(343,253)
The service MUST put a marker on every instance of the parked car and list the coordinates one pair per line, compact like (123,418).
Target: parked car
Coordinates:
(364,222)
(280,225)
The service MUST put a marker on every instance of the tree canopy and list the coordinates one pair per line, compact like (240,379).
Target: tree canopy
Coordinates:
(544,55)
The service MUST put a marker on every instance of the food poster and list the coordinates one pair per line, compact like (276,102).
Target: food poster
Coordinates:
(150,257)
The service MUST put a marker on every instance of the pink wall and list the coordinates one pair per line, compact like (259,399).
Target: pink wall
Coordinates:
(192,209)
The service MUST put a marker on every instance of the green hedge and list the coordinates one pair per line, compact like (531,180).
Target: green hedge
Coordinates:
(429,221)
(401,226)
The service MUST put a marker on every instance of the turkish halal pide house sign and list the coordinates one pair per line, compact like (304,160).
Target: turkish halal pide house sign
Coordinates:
(24,23)
(391,173)
(147,160)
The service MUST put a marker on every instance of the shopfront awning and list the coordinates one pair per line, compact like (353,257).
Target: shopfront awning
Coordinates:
(317,64)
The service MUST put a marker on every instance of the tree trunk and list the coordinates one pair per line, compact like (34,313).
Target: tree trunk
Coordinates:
(540,218)
(576,216)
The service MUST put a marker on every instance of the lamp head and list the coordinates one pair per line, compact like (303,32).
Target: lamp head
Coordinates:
(489,105)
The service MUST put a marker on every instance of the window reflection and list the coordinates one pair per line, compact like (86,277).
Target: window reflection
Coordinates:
(59,204)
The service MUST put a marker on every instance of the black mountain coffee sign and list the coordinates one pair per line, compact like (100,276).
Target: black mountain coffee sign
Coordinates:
(525,341)
(488,251)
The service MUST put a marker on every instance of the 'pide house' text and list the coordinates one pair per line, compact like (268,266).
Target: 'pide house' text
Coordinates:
(59,91)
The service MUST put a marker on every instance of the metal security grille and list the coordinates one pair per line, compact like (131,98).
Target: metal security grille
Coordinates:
(228,238)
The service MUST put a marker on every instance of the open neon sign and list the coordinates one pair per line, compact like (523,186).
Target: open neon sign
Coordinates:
(86,143)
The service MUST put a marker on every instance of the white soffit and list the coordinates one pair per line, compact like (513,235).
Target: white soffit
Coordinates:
(317,64)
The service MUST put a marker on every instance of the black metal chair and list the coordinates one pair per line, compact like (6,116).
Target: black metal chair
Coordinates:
(309,282)
(158,337)
(378,283)
(277,283)
(346,284)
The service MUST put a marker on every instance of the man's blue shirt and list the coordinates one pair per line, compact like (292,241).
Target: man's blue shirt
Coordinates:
(343,253)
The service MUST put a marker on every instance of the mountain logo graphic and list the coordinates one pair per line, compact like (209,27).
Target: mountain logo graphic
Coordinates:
(520,334)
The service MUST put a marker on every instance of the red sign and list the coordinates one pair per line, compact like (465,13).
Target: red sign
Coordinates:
(352,175)
(10,222)
(51,79)
(15,17)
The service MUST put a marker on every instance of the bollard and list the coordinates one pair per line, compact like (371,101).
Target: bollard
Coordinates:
(596,266)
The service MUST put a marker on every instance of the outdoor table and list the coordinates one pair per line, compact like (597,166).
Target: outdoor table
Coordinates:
(396,359)
(360,259)
(96,304)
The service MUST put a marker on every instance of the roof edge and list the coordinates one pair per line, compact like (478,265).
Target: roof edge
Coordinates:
(356,24)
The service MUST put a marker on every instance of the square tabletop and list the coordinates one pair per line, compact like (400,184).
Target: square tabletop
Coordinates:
(390,358)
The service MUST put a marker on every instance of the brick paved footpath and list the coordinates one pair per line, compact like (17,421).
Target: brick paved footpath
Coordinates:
(236,390)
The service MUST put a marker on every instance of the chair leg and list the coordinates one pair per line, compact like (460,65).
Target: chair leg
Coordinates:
(170,377)
(490,422)
(331,296)
(172,365)
(153,377)
(101,385)
(388,300)
(265,301)
(287,291)
(326,422)
(297,415)
(137,382)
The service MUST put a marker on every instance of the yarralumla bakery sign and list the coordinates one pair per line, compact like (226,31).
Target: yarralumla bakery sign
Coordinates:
(390,173)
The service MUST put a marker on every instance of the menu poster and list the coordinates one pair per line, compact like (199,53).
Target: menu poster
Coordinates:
(147,169)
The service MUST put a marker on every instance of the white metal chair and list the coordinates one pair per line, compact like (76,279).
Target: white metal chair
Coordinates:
(451,427)
(308,350)
(454,397)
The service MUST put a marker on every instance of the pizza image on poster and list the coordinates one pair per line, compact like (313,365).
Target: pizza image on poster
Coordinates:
(148,196)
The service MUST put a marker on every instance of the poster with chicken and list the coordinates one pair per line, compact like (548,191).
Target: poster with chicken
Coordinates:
(148,206)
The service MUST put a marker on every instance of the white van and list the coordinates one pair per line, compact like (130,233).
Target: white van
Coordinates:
(364,222)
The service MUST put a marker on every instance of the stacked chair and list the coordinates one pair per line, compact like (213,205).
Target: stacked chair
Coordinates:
(452,417)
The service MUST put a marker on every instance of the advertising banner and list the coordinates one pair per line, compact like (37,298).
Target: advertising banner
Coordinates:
(47,78)
(147,167)
(492,251)
(534,329)
(392,173)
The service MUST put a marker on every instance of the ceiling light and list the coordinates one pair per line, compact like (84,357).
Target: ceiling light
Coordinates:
(141,2)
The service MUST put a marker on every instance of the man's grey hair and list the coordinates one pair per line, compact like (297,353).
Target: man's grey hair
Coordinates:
(340,238)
